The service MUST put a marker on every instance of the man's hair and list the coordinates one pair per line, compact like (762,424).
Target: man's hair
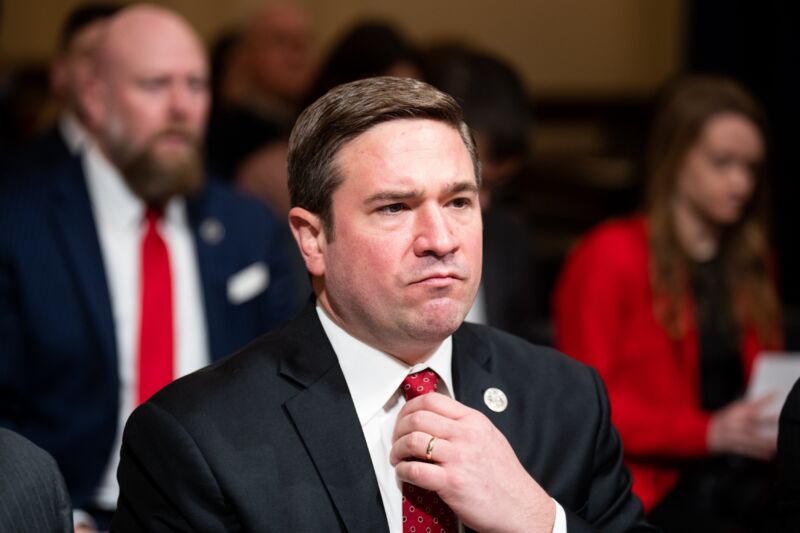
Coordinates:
(82,17)
(344,113)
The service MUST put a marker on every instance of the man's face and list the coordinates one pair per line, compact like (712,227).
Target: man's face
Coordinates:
(156,102)
(280,53)
(404,262)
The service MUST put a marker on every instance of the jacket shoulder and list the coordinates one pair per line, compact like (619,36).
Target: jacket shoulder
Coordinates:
(521,361)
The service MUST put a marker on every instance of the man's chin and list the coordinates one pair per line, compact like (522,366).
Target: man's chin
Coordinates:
(441,317)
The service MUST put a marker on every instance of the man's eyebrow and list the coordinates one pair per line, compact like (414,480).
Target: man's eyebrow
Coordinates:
(400,195)
(463,186)
(392,196)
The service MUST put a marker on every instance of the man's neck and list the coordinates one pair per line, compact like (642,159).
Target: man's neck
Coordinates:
(411,353)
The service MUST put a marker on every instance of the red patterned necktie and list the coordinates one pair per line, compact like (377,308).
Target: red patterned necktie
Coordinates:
(423,511)
(156,341)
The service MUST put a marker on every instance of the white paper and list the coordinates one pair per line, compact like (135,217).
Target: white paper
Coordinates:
(774,373)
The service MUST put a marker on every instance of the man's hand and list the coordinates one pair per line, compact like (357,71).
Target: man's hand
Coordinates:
(473,467)
(738,428)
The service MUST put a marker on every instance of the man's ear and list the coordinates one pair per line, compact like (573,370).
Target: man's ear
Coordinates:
(310,237)
(93,101)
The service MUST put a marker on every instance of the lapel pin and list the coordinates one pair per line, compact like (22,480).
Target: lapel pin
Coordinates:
(212,231)
(495,399)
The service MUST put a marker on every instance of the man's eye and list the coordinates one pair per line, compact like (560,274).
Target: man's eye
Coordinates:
(461,202)
(391,209)
(153,85)
(198,85)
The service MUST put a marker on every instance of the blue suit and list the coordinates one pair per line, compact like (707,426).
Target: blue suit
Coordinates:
(59,382)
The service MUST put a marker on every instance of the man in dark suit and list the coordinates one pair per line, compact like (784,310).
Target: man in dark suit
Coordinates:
(32,492)
(69,71)
(322,425)
(784,514)
(95,249)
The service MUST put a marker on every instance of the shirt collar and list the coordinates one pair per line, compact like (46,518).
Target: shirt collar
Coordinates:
(74,133)
(373,376)
(112,200)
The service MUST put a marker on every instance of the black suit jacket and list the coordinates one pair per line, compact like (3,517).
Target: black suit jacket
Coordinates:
(785,513)
(33,496)
(269,439)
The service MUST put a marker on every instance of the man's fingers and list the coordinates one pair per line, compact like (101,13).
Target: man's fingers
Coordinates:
(416,445)
(763,401)
(424,421)
(436,403)
(426,475)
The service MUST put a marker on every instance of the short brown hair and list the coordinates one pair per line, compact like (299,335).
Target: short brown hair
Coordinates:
(344,113)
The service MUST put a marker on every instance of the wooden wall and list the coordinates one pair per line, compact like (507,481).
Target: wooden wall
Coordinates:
(566,47)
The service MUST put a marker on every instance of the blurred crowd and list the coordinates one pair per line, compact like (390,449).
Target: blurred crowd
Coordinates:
(143,219)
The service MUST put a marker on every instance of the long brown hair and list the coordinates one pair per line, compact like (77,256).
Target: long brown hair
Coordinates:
(685,107)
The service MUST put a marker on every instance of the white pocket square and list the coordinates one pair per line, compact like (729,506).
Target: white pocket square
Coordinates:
(247,283)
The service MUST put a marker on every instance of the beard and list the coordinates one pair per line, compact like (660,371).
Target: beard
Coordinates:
(154,176)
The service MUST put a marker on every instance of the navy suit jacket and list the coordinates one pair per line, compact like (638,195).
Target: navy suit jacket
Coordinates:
(42,153)
(269,439)
(59,382)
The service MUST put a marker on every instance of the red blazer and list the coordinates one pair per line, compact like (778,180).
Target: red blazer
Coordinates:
(603,310)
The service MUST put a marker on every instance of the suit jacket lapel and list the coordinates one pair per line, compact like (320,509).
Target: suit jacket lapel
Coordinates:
(473,358)
(208,247)
(73,221)
(326,420)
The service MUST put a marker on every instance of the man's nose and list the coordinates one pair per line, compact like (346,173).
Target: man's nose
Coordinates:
(434,233)
(181,100)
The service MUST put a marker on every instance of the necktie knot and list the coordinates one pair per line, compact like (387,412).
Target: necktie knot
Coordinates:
(152,215)
(419,383)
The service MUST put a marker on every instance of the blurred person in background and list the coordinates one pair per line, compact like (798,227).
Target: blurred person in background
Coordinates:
(276,62)
(369,48)
(673,305)
(69,72)
(497,110)
(127,267)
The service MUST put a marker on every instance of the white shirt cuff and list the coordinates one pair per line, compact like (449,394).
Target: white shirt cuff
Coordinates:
(82,518)
(560,524)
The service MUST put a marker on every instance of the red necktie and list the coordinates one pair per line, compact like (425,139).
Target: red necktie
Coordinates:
(156,341)
(423,511)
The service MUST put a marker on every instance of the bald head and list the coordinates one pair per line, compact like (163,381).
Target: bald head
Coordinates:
(148,100)
(143,35)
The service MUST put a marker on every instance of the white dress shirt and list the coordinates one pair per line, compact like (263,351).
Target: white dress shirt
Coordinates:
(373,378)
(73,132)
(119,218)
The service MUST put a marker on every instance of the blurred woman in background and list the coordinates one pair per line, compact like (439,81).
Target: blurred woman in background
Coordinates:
(672,306)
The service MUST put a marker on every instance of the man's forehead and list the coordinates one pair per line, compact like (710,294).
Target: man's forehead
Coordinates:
(152,42)
(370,146)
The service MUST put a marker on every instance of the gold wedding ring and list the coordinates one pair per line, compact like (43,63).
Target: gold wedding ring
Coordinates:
(429,451)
